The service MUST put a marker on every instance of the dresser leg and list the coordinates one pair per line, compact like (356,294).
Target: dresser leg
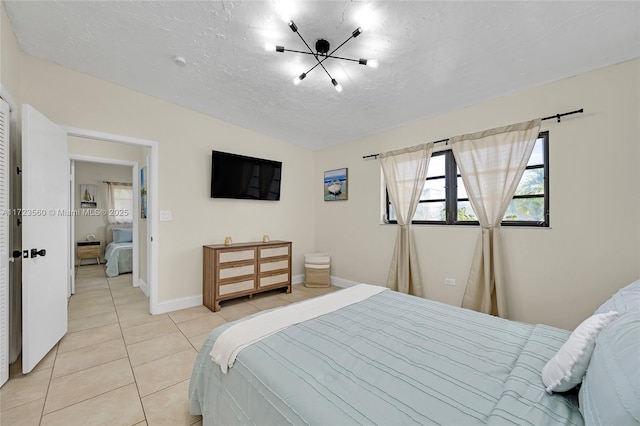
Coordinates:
(216,306)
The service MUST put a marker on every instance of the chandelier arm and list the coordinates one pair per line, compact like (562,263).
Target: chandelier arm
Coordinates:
(343,58)
(343,43)
(325,70)
(306,44)
(312,68)
(327,56)
(315,55)
(299,51)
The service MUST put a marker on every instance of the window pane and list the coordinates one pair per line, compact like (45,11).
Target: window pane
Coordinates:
(436,166)
(431,211)
(529,209)
(425,212)
(465,211)
(462,191)
(537,155)
(532,183)
(433,190)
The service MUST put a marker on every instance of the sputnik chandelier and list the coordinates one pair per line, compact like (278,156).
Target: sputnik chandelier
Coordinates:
(322,54)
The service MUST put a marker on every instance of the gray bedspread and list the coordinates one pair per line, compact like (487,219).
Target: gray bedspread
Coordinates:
(392,359)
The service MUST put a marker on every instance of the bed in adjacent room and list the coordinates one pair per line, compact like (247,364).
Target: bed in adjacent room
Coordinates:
(389,358)
(118,253)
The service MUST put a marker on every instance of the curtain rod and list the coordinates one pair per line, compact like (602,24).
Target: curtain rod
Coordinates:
(118,183)
(556,116)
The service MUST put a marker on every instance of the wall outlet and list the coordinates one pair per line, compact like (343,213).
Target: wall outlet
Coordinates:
(165,216)
(449,281)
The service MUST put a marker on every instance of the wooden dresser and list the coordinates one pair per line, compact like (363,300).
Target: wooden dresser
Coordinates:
(244,269)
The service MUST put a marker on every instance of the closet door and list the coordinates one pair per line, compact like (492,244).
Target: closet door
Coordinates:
(4,241)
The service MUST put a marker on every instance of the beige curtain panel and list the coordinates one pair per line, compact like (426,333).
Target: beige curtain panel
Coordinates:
(119,199)
(405,173)
(491,165)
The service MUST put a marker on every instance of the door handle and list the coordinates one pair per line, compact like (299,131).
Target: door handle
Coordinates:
(16,254)
(36,252)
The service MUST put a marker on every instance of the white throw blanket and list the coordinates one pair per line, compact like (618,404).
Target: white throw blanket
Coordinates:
(239,336)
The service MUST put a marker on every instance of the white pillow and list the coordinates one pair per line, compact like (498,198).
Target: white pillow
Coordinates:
(568,366)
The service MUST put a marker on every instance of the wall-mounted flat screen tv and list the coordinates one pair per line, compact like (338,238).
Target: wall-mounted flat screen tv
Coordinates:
(239,176)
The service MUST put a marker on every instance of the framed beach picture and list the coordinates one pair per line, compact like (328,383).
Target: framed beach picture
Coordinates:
(143,193)
(88,197)
(336,185)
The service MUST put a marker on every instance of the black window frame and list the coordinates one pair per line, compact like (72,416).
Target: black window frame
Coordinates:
(451,193)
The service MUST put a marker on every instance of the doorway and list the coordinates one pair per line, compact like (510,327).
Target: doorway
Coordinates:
(148,228)
(103,204)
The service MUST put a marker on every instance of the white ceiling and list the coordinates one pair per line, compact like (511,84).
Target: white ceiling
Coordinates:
(434,56)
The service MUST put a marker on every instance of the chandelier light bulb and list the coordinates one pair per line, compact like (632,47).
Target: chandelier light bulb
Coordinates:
(337,85)
(299,78)
(269,47)
(368,62)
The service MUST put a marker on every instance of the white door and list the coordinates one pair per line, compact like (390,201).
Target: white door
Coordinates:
(4,241)
(45,235)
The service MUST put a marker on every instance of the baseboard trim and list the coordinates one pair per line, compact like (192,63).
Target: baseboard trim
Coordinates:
(190,302)
(143,286)
(341,282)
(337,281)
(177,304)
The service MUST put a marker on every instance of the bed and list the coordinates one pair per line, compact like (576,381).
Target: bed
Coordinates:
(118,253)
(388,359)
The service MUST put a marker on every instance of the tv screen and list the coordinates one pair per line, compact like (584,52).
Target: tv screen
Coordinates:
(238,176)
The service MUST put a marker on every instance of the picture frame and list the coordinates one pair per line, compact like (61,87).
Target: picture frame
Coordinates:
(336,184)
(143,192)
(88,197)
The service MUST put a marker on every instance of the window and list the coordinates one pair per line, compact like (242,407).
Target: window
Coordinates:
(121,203)
(444,199)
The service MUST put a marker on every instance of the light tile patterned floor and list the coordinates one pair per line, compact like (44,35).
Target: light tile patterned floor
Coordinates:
(118,365)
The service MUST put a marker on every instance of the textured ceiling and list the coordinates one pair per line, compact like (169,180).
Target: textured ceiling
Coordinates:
(434,56)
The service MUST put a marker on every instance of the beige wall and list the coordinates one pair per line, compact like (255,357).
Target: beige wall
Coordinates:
(556,276)
(185,140)
(96,174)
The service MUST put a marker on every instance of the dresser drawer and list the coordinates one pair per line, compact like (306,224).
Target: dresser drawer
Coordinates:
(236,255)
(278,279)
(237,287)
(274,266)
(88,251)
(268,252)
(236,271)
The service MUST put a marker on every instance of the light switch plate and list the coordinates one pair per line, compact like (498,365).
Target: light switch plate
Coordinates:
(165,215)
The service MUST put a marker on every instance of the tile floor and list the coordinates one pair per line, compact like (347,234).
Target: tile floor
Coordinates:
(118,365)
